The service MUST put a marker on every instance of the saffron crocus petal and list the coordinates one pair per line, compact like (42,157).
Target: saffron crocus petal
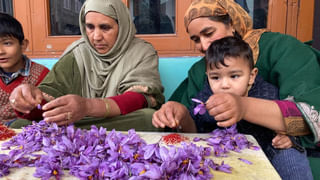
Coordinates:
(196,110)
(202,109)
(149,150)
(224,168)
(245,161)
(196,139)
(256,148)
(164,153)
(196,100)
(153,172)
(137,168)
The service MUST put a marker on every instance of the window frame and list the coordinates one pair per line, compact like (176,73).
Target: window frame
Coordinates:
(290,17)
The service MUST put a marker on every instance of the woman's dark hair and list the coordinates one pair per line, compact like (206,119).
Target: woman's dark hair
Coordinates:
(228,47)
(226,20)
(9,26)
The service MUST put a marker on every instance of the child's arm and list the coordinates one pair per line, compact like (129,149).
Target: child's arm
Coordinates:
(282,141)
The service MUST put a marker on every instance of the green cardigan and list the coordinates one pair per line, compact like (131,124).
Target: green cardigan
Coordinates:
(283,61)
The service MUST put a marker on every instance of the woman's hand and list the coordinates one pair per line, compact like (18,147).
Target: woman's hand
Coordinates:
(226,108)
(174,115)
(65,109)
(25,97)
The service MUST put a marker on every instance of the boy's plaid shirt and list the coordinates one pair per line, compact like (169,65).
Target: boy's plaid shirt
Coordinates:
(23,72)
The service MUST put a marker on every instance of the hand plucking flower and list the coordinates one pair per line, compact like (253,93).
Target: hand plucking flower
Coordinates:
(200,108)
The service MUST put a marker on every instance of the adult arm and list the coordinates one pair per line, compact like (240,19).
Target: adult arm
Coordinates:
(142,74)
(65,85)
(295,69)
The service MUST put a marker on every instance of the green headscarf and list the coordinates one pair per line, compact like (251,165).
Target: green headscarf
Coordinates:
(112,73)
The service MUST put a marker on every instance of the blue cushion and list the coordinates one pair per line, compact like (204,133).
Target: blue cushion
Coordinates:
(172,70)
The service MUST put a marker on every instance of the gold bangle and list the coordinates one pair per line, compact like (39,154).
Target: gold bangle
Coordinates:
(107,107)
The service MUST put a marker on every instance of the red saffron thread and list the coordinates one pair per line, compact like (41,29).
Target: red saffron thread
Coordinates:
(173,138)
(5,133)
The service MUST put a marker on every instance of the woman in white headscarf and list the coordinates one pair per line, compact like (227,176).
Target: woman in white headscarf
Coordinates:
(108,74)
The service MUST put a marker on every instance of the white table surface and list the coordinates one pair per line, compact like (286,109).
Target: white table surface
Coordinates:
(260,168)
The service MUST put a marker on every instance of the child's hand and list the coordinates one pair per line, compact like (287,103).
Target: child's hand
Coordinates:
(281,141)
(226,108)
(25,97)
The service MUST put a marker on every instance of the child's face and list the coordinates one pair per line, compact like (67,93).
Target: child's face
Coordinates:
(11,53)
(236,78)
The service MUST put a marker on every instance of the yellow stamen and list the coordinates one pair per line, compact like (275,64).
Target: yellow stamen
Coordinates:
(55,172)
(136,156)
(142,172)
(186,161)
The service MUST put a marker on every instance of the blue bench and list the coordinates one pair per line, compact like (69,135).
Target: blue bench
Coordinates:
(173,70)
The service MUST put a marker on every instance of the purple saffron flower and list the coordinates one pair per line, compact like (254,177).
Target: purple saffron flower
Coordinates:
(47,167)
(200,108)
(4,165)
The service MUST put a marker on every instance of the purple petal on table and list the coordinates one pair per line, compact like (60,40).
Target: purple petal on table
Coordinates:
(256,148)
(196,100)
(224,168)
(196,139)
(245,161)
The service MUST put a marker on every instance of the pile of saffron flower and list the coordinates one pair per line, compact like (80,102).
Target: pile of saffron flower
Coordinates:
(98,154)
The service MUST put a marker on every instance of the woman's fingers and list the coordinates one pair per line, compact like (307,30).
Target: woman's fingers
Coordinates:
(163,117)
(65,109)
(159,119)
(169,115)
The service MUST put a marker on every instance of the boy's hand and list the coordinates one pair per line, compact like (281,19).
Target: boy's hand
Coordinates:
(281,141)
(226,108)
(25,97)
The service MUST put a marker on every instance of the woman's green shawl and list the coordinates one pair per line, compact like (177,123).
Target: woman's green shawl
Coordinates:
(283,61)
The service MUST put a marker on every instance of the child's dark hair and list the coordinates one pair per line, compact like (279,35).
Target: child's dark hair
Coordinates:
(10,27)
(228,47)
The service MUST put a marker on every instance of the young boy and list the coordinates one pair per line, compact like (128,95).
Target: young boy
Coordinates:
(15,67)
(230,69)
